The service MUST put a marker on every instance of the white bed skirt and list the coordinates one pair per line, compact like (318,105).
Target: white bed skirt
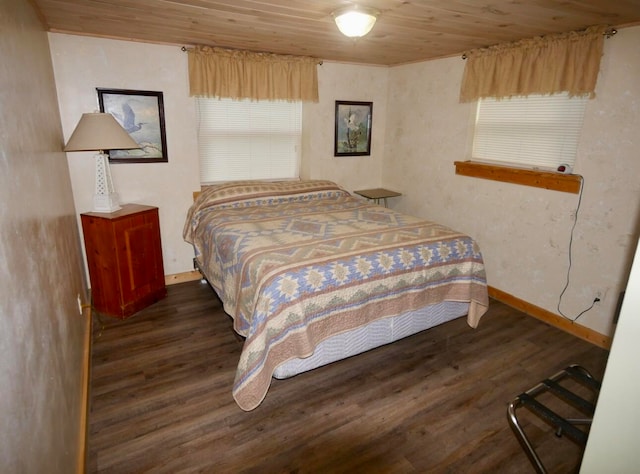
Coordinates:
(375,334)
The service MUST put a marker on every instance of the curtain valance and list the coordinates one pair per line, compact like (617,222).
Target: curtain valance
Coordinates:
(544,65)
(219,72)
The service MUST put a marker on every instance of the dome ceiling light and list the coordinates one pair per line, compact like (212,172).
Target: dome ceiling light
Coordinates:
(355,21)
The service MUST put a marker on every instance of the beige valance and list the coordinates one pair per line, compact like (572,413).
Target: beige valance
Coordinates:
(218,72)
(544,65)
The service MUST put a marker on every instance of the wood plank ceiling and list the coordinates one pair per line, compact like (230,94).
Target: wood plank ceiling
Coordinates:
(406,30)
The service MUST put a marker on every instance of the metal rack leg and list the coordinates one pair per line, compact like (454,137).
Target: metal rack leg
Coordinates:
(562,425)
(522,437)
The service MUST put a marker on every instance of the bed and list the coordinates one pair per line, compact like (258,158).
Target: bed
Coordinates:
(311,274)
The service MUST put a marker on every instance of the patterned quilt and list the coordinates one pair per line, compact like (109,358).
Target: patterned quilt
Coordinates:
(297,262)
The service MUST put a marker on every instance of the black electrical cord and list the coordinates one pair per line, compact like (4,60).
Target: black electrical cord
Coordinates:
(575,221)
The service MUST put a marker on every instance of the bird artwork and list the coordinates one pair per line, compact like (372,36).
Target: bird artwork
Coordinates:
(351,121)
(141,116)
(128,119)
(353,128)
(353,131)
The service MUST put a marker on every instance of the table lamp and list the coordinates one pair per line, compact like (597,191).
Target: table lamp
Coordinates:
(100,132)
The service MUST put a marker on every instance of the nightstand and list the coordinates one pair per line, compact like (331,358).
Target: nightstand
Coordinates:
(378,193)
(124,256)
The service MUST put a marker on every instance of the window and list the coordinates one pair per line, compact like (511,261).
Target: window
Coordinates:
(241,139)
(538,131)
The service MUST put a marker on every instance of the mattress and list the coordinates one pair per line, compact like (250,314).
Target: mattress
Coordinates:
(375,334)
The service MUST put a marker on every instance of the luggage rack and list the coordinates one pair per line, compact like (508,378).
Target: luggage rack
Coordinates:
(567,426)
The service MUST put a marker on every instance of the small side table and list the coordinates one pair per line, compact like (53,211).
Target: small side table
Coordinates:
(376,194)
(124,256)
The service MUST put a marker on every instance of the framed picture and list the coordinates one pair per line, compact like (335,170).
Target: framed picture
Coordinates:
(353,128)
(141,114)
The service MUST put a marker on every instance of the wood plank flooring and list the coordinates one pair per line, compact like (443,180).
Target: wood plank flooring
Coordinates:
(433,402)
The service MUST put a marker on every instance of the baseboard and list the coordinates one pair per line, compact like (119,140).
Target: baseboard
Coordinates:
(182,277)
(86,392)
(552,319)
(542,314)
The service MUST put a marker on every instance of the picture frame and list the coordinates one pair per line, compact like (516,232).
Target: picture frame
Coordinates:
(141,114)
(353,128)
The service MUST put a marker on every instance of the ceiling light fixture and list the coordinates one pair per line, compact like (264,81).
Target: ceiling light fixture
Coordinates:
(355,21)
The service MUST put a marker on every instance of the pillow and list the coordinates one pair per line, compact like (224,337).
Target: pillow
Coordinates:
(237,192)
(258,193)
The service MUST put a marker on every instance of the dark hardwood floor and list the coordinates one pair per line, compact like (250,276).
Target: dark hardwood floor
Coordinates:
(434,402)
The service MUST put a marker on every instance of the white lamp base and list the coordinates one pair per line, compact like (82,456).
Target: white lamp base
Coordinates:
(106,202)
(105,199)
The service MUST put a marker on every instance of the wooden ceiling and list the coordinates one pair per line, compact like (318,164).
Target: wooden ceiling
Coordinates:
(406,31)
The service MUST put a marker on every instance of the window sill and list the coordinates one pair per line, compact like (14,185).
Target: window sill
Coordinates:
(568,183)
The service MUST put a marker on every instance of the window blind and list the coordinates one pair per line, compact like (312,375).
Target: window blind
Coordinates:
(533,131)
(241,139)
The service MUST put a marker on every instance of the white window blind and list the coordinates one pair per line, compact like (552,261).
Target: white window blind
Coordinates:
(533,131)
(241,139)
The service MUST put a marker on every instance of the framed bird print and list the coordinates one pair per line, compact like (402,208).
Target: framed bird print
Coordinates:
(353,128)
(141,114)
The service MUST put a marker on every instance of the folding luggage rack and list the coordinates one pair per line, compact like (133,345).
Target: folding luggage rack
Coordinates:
(562,425)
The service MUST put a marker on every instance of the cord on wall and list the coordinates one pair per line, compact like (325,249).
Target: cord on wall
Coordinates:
(575,221)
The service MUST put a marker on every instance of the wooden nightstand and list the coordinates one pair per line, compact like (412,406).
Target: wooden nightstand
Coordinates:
(378,193)
(124,256)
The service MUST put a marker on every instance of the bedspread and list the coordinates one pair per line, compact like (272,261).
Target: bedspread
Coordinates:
(295,263)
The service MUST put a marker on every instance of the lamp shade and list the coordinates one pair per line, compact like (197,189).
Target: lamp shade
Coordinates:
(99,131)
(355,21)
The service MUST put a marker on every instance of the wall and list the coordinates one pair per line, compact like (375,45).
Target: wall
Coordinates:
(81,64)
(524,232)
(41,330)
(613,438)
(345,82)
